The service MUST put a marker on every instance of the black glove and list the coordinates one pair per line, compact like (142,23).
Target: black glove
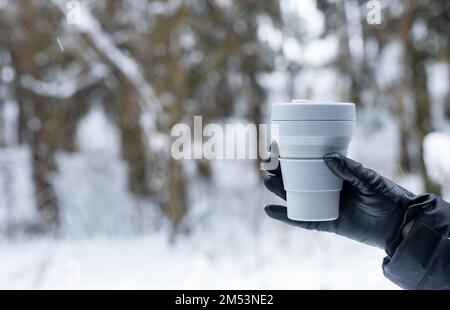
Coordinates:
(372,208)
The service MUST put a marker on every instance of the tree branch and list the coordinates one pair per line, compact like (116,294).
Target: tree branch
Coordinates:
(104,44)
(62,90)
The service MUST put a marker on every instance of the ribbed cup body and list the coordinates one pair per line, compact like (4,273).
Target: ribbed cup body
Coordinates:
(306,132)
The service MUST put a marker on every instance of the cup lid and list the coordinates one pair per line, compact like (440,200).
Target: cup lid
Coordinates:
(305,110)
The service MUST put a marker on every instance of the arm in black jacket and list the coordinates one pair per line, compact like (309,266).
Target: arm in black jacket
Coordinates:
(422,259)
(374,210)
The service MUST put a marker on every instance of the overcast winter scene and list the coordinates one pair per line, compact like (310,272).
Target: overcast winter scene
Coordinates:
(91,194)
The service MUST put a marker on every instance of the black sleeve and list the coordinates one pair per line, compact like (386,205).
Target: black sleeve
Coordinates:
(422,259)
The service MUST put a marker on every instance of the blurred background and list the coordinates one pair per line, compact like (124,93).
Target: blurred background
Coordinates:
(90,196)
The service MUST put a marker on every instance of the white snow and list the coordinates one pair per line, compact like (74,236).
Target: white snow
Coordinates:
(64,89)
(9,115)
(232,244)
(97,134)
(92,184)
(389,66)
(436,148)
(125,63)
(438,74)
(16,187)
(376,137)
(275,257)
(269,34)
(7,74)
(310,17)
(94,198)
(320,52)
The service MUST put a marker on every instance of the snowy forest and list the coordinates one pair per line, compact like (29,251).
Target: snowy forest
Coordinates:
(90,196)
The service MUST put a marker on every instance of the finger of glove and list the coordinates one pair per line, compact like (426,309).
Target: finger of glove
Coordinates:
(279,213)
(362,178)
(272,165)
(275,185)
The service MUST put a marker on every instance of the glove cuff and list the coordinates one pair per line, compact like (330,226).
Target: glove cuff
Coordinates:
(419,204)
(420,260)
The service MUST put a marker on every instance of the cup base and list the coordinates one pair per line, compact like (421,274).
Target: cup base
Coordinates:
(313,206)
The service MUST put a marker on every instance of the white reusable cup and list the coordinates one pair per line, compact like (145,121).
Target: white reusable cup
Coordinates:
(306,131)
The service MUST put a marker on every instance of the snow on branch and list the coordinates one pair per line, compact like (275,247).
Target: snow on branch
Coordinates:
(61,90)
(102,41)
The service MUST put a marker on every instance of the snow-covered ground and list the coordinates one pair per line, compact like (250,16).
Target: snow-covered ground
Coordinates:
(231,243)
(275,257)
(436,153)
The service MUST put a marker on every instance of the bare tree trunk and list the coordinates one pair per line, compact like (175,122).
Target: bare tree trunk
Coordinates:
(37,131)
(45,195)
(415,62)
(423,118)
(134,144)
(175,207)
(405,163)
(405,157)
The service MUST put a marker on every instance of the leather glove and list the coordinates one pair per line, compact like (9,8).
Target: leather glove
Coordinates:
(373,209)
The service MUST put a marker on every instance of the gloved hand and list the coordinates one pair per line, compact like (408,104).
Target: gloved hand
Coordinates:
(372,208)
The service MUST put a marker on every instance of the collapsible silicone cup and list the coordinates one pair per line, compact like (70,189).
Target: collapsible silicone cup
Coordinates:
(306,132)
(312,190)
